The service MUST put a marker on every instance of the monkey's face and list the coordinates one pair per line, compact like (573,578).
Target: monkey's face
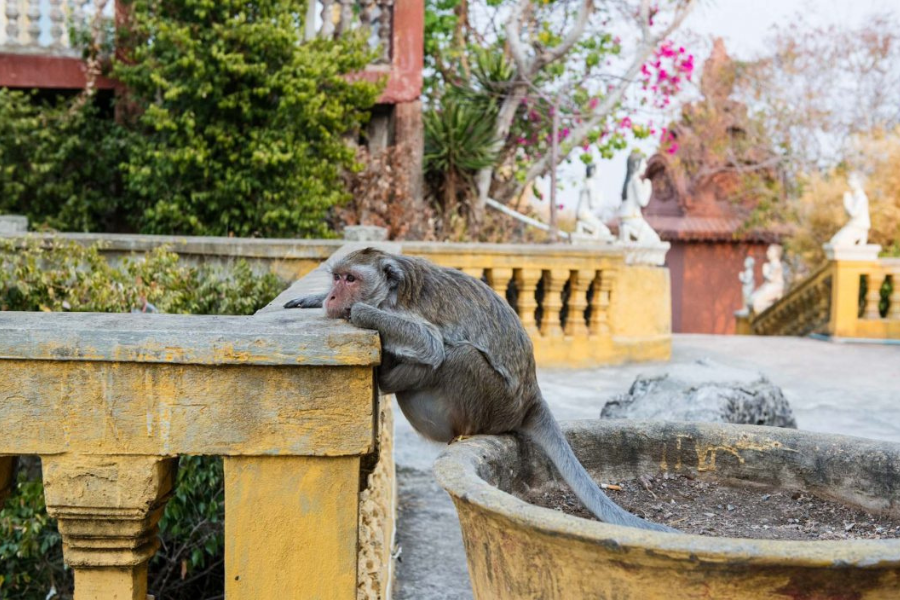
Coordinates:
(346,290)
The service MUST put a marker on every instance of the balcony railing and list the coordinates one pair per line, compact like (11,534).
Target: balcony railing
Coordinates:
(109,402)
(36,49)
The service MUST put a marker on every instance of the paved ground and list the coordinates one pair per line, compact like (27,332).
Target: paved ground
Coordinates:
(838,388)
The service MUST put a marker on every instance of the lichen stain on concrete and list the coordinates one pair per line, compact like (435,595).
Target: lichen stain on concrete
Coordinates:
(706,453)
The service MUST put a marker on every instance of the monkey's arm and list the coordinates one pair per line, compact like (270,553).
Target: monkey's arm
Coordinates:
(407,338)
(313,301)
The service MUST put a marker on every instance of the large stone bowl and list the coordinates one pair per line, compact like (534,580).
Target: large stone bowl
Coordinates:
(516,550)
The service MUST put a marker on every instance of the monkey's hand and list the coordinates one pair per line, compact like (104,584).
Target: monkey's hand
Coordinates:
(314,301)
(365,315)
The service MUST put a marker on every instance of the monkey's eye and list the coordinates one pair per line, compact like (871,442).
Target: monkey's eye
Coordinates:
(350,278)
(337,277)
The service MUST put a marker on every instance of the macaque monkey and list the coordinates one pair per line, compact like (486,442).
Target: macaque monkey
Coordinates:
(457,358)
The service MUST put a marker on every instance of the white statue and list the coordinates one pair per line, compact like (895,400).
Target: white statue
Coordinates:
(635,196)
(856,203)
(747,277)
(588,225)
(772,289)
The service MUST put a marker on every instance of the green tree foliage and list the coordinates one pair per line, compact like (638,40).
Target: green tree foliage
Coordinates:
(53,275)
(59,162)
(232,125)
(242,125)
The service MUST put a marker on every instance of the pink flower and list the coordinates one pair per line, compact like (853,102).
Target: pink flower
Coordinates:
(673,148)
(625,123)
(593,103)
(560,206)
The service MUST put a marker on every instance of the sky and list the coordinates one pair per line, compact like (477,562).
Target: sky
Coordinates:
(745,26)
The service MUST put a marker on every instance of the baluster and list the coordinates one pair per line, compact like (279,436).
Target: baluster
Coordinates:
(554,282)
(57,26)
(385,28)
(477,273)
(12,22)
(580,281)
(309,21)
(499,278)
(600,303)
(34,23)
(366,13)
(526,284)
(894,301)
(873,295)
(345,17)
(327,30)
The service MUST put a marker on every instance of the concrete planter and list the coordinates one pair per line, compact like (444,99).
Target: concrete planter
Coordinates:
(517,550)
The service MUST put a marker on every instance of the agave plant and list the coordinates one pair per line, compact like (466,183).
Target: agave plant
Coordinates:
(459,141)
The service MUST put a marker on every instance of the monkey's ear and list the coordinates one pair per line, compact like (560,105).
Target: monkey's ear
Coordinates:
(393,272)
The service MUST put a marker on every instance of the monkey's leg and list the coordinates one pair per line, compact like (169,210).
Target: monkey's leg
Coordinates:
(313,301)
(410,340)
(394,376)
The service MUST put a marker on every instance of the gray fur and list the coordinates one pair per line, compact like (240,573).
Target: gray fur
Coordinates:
(458,359)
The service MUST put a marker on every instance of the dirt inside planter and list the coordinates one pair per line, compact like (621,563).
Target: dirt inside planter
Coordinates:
(713,509)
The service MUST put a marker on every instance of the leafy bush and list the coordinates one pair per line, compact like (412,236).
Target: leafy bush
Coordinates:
(232,124)
(59,163)
(242,125)
(53,275)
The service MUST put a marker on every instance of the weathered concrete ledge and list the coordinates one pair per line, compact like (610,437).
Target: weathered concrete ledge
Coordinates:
(273,338)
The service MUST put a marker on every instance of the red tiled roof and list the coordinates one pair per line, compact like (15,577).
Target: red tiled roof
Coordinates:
(686,228)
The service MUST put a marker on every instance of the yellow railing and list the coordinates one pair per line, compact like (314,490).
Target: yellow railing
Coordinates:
(582,304)
(109,402)
(843,298)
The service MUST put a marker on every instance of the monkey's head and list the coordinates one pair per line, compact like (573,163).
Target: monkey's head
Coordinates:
(369,276)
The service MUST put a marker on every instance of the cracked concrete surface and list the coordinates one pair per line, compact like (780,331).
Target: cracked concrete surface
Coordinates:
(837,388)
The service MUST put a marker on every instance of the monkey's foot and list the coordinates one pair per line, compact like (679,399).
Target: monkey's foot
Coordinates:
(459,438)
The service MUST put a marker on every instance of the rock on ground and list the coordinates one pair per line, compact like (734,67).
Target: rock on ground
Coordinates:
(704,391)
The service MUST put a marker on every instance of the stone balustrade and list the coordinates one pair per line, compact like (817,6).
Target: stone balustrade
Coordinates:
(583,305)
(109,402)
(36,27)
(331,19)
(842,299)
(42,27)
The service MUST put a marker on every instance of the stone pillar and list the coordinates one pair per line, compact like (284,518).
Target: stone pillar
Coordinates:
(874,281)
(291,525)
(526,284)
(554,282)
(579,282)
(108,508)
(498,279)
(409,132)
(600,303)
(849,265)
(7,477)
(13,224)
(894,300)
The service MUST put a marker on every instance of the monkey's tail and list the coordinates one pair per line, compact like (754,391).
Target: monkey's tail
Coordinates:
(544,431)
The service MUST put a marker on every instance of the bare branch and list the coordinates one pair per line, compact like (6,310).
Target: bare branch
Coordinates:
(605,108)
(513,38)
(553,54)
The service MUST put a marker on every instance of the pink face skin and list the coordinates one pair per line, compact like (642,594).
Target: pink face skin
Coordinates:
(345,290)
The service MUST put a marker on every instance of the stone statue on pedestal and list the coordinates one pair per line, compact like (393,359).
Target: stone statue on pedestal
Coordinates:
(856,203)
(588,226)
(772,289)
(635,196)
(748,282)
